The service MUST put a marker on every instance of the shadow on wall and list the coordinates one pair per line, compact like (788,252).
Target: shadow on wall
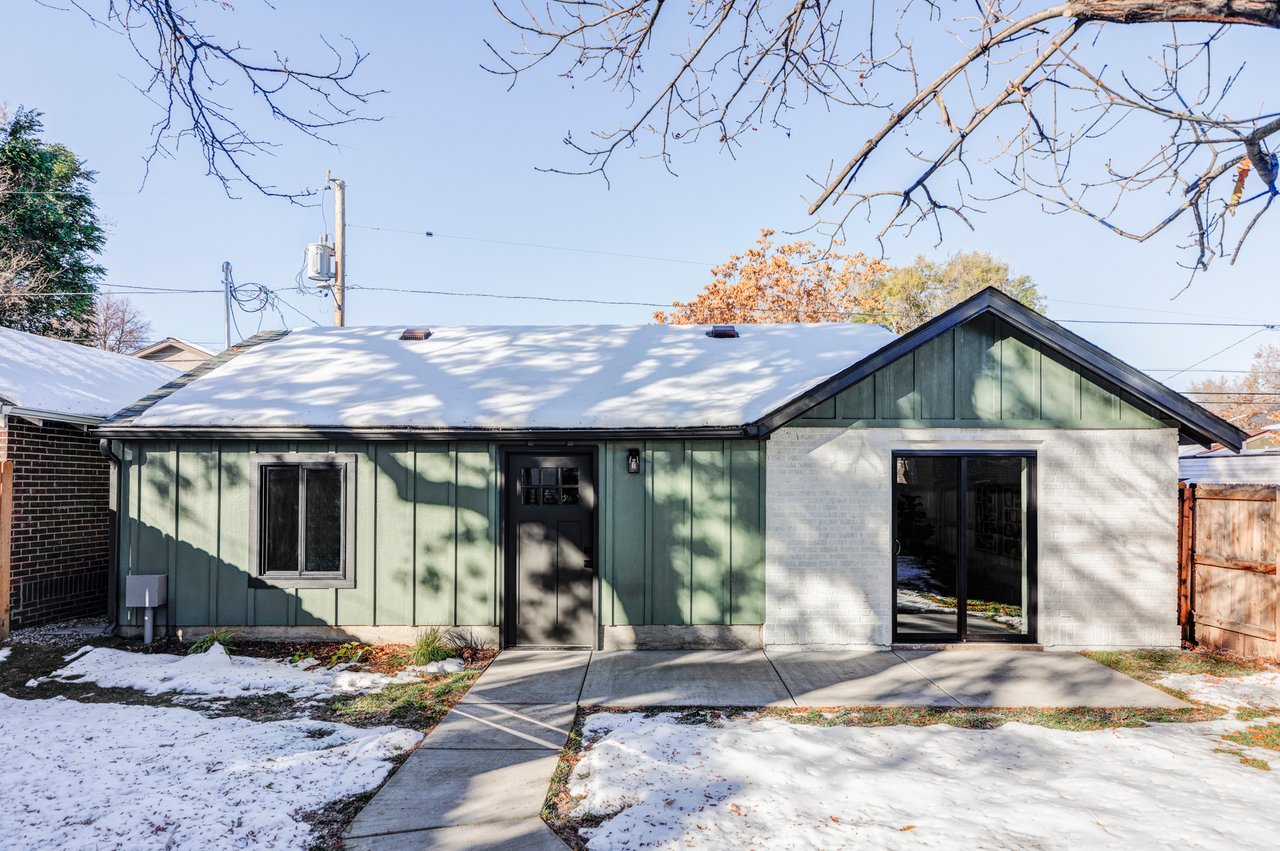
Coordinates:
(1106,522)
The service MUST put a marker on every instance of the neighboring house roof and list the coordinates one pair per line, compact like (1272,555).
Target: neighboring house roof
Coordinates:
(1251,467)
(176,343)
(57,380)
(582,379)
(515,378)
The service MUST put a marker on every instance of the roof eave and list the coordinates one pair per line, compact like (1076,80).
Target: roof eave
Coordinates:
(130,432)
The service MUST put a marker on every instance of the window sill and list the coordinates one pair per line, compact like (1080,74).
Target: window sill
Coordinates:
(299,582)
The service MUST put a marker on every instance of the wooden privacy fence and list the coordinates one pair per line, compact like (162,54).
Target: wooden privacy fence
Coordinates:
(1228,588)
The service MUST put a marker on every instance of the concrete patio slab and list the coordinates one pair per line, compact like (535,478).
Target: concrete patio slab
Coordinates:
(527,834)
(856,678)
(633,678)
(532,676)
(446,788)
(1048,679)
(502,726)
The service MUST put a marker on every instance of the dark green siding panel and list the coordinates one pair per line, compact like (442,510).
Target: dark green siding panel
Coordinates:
(355,605)
(746,523)
(825,410)
(669,540)
(983,374)
(1019,378)
(315,606)
(935,378)
(435,557)
(156,517)
(393,520)
(858,402)
(626,507)
(196,537)
(709,506)
(476,535)
(896,391)
(232,565)
(977,370)
(1059,390)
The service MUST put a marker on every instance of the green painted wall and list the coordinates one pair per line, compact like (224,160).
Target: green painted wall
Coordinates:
(683,542)
(983,374)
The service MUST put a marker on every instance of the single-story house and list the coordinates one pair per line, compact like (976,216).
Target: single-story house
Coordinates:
(1257,462)
(54,482)
(987,477)
(175,352)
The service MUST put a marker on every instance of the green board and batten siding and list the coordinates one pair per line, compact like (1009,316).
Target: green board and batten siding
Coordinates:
(982,374)
(682,542)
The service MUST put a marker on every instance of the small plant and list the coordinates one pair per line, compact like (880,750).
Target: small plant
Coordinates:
(299,657)
(218,636)
(433,645)
(349,653)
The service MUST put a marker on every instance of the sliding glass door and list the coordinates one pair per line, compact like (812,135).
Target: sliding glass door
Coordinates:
(964,544)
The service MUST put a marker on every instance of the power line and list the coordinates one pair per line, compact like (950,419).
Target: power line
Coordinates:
(573,249)
(1248,336)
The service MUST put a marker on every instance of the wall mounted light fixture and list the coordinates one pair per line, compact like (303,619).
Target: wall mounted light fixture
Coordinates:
(633,460)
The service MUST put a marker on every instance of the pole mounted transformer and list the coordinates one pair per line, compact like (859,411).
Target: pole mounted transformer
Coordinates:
(327,263)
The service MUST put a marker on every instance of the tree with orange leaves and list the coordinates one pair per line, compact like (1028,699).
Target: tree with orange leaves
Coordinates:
(797,282)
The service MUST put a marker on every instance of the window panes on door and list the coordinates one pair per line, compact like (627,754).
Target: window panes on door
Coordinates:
(549,486)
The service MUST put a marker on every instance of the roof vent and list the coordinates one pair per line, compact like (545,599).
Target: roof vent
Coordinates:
(415,334)
(722,332)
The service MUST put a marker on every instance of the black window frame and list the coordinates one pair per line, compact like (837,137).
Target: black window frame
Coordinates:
(344,577)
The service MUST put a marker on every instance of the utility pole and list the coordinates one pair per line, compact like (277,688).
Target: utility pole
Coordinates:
(340,251)
(226,308)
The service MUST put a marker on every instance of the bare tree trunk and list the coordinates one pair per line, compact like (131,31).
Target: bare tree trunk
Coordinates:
(1261,13)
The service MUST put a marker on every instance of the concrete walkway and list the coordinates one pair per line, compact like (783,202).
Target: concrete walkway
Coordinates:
(481,777)
(860,678)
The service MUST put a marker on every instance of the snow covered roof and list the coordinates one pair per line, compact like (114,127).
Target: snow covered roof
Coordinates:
(54,378)
(512,377)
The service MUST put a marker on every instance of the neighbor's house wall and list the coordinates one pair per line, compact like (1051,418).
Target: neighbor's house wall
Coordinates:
(59,546)
(681,542)
(1106,506)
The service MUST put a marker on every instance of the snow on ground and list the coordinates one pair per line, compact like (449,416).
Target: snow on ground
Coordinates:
(215,674)
(4,653)
(769,783)
(1258,691)
(100,775)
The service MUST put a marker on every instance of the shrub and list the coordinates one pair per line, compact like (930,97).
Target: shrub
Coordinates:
(218,636)
(433,645)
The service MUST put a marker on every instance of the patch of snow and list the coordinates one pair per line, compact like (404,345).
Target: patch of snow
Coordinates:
(1256,691)
(452,665)
(100,775)
(57,377)
(766,783)
(4,653)
(587,376)
(217,674)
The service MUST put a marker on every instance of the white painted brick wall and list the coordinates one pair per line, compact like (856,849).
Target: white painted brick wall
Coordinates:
(1107,533)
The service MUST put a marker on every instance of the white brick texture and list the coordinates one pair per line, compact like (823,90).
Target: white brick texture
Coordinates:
(1107,520)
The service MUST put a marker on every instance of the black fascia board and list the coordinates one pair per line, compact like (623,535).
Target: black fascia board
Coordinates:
(1201,425)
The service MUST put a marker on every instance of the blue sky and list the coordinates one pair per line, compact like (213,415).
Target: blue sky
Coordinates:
(456,153)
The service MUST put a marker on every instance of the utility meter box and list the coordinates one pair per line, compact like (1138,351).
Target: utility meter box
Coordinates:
(146,592)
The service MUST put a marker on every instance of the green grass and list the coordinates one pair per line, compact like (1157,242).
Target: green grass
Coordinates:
(1149,666)
(418,706)
(433,645)
(1076,719)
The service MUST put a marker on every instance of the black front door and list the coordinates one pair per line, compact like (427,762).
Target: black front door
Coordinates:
(964,547)
(550,564)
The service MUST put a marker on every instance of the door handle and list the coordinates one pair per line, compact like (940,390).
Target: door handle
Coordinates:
(897,547)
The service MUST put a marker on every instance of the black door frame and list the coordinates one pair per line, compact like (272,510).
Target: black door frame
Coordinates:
(506,593)
(961,635)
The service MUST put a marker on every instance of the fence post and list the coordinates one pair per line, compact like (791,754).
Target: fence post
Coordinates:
(1275,576)
(1186,559)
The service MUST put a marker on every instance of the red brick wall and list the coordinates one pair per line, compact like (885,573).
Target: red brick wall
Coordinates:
(60,522)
